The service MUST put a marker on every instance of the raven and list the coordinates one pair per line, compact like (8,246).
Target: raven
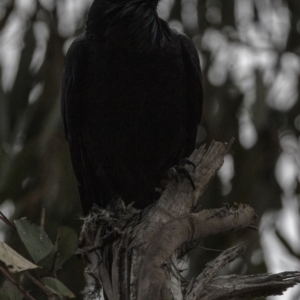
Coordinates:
(131,102)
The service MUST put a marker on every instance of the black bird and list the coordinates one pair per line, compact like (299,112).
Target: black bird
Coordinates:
(131,102)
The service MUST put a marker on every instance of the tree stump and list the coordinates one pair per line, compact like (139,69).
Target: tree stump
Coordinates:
(134,254)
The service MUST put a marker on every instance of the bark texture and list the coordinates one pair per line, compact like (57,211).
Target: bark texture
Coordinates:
(134,255)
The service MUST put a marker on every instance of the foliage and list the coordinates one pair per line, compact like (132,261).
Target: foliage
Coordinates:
(250,60)
(47,257)
(14,261)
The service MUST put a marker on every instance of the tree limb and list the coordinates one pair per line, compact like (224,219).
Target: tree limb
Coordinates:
(136,256)
(235,287)
(186,229)
(211,270)
(176,200)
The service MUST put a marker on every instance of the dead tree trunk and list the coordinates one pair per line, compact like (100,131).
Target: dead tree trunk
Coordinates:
(134,255)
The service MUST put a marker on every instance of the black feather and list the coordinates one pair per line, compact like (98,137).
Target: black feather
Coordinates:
(131,102)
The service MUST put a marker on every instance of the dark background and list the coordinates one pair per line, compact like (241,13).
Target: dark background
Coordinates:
(249,52)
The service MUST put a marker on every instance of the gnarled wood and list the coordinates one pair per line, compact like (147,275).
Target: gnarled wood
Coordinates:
(135,254)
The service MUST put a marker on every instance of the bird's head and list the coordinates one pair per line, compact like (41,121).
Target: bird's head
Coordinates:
(127,23)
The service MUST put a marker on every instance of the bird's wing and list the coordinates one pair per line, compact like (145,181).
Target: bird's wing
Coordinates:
(72,107)
(195,90)
(72,86)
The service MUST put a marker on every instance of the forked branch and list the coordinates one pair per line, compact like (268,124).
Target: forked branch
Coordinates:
(135,254)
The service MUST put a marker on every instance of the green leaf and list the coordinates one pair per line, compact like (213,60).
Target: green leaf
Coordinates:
(40,295)
(10,292)
(34,238)
(48,262)
(14,261)
(4,295)
(56,287)
(66,242)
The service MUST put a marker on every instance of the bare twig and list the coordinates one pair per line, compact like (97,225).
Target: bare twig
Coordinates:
(43,214)
(6,221)
(16,284)
(39,284)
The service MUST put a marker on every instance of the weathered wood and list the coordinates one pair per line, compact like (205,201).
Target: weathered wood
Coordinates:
(177,200)
(235,287)
(135,254)
(182,230)
(197,285)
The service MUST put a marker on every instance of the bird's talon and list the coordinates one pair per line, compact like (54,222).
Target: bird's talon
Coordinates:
(186,161)
(174,173)
(187,175)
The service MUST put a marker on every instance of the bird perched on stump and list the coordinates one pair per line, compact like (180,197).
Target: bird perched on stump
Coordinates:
(131,102)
